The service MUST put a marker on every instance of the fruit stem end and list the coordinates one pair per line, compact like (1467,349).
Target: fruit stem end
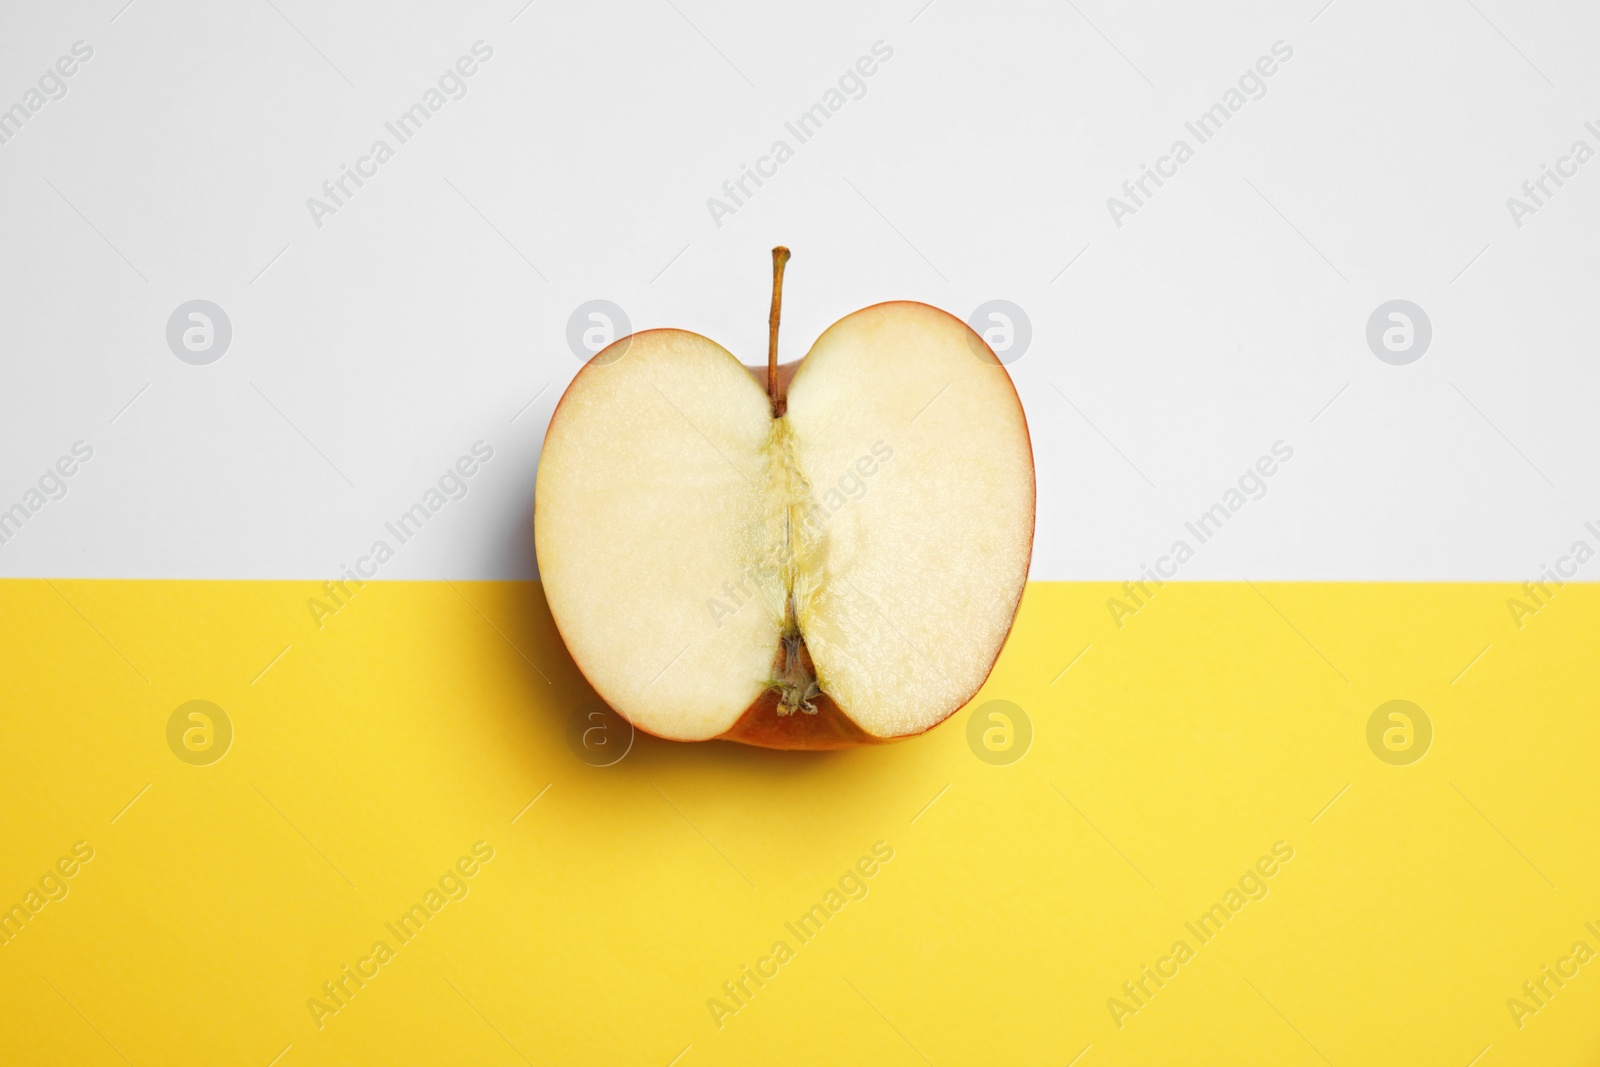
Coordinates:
(780,257)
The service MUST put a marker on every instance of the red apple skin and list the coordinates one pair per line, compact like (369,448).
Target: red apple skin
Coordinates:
(830,728)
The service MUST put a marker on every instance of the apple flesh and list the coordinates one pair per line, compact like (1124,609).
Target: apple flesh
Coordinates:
(834,564)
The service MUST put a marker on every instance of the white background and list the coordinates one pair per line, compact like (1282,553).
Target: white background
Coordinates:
(1225,315)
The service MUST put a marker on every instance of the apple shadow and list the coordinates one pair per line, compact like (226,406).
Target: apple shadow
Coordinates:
(552,691)
(528,620)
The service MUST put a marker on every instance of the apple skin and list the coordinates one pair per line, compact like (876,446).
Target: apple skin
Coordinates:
(785,376)
(829,728)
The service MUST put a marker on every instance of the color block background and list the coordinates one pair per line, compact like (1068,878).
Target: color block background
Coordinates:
(1165,761)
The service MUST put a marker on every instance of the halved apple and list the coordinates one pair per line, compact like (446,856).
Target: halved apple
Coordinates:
(835,560)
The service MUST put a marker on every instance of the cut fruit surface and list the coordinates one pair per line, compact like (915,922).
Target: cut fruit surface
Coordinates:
(843,573)
(911,587)
(651,501)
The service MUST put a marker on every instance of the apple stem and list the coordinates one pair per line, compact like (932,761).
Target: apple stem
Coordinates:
(780,256)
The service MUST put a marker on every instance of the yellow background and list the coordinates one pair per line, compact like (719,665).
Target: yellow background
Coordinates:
(1175,751)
